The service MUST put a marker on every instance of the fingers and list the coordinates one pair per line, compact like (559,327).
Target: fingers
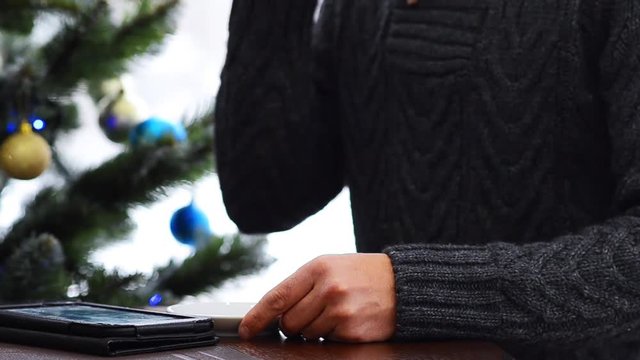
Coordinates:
(302,314)
(275,303)
(344,298)
(321,327)
(312,316)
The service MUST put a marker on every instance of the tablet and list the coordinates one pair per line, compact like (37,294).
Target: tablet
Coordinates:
(102,329)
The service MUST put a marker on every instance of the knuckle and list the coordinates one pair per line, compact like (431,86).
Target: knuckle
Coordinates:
(335,290)
(320,266)
(278,301)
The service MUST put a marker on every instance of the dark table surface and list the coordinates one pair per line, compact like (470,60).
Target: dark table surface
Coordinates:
(280,348)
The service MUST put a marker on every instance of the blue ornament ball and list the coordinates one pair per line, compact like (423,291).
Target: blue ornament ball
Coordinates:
(190,226)
(155,132)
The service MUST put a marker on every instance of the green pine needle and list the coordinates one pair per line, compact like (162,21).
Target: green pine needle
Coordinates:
(95,49)
(34,272)
(70,6)
(212,265)
(112,288)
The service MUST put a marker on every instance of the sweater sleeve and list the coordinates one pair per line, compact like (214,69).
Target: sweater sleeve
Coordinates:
(277,148)
(574,289)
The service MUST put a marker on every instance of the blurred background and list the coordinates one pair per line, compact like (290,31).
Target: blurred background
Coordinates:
(179,82)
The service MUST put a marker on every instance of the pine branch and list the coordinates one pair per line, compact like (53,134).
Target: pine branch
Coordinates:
(60,166)
(113,288)
(13,49)
(19,16)
(144,31)
(212,265)
(93,209)
(20,22)
(67,6)
(34,272)
(208,268)
(94,49)
(68,55)
(76,221)
(60,117)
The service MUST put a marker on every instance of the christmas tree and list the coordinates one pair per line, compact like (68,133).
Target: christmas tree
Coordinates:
(44,255)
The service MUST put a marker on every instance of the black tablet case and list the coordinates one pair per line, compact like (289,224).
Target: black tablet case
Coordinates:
(104,339)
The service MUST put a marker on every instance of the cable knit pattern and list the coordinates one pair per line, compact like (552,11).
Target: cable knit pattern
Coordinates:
(491,148)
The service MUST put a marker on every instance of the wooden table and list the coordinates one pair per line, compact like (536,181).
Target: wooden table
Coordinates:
(282,349)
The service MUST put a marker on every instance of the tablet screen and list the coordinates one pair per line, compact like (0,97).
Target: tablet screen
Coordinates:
(92,315)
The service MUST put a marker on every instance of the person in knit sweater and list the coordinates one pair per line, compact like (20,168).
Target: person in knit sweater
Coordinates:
(492,153)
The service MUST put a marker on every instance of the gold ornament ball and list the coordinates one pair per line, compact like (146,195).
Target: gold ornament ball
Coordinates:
(25,155)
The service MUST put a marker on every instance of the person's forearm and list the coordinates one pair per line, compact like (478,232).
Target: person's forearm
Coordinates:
(276,131)
(573,289)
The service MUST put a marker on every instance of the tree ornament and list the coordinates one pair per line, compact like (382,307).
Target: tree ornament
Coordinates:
(155,300)
(156,132)
(12,127)
(118,117)
(25,155)
(37,123)
(190,226)
(113,87)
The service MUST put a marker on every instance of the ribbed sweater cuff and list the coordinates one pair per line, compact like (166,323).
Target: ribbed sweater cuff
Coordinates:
(446,292)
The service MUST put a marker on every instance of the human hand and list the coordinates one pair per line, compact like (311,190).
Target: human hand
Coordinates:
(348,298)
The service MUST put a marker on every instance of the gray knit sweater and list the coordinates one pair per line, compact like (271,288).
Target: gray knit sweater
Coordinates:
(491,149)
